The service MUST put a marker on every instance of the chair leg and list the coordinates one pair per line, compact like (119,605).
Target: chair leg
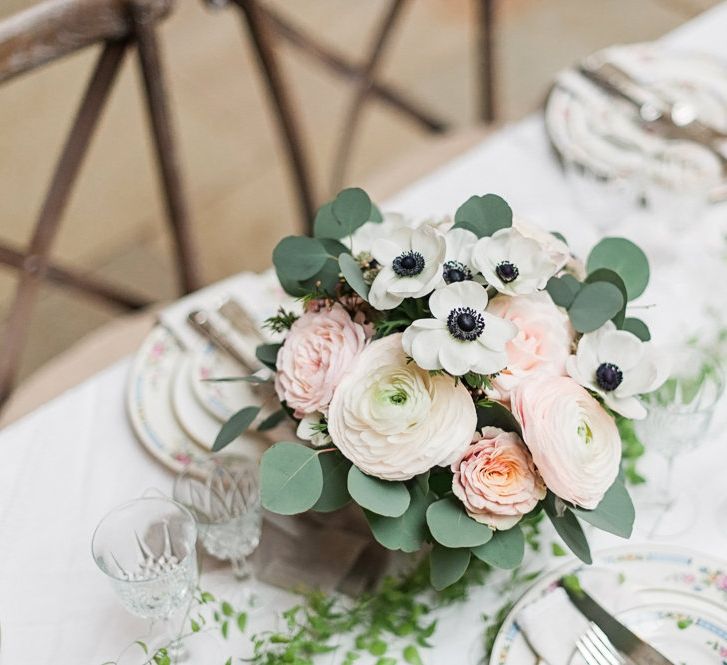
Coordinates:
(485,60)
(261,34)
(166,150)
(362,91)
(35,264)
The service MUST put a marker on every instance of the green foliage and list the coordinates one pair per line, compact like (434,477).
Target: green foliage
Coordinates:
(637,327)
(267,354)
(299,257)
(568,528)
(614,514)
(235,426)
(273,420)
(342,216)
(447,565)
(563,290)
(505,550)
(624,258)
(335,479)
(595,304)
(610,277)
(632,450)
(282,321)
(407,532)
(401,317)
(483,215)
(351,271)
(452,527)
(383,497)
(291,479)
(494,414)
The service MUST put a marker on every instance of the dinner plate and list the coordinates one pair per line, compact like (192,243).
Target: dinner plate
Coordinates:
(676,600)
(604,134)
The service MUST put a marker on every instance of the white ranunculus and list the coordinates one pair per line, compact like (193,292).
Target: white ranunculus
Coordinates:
(512,263)
(458,257)
(554,246)
(309,429)
(462,337)
(574,442)
(411,265)
(618,366)
(394,420)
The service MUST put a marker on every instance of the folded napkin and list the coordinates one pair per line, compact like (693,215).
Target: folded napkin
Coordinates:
(552,624)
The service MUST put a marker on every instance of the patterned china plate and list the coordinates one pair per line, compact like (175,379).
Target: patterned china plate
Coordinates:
(677,601)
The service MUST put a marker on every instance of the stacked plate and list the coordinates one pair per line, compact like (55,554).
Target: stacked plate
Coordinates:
(676,600)
(602,133)
(174,408)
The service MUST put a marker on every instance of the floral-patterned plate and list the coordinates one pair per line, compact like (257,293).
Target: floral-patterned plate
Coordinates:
(676,600)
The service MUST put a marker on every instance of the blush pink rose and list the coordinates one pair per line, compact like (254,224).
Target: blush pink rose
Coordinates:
(496,480)
(317,352)
(542,345)
(575,444)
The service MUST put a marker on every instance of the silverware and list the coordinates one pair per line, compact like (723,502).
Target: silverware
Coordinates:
(673,120)
(204,324)
(241,320)
(632,646)
(596,648)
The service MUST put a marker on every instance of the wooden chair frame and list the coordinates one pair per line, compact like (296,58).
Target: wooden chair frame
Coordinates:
(265,26)
(43,34)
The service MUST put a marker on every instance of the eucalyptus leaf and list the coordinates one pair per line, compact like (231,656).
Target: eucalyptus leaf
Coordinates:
(383,497)
(594,305)
(335,482)
(352,207)
(375,215)
(299,257)
(407,532)
(505,550)
(494,414)
(637,327)
(235,426)
(606,275)
(559,236)
(569,529)
(624,258)
(352,274)
(267,354)
(614,514)
(483,215)
(291,478)
(423,481)
(272,421)
(446,565)
(563,290)
(451,526)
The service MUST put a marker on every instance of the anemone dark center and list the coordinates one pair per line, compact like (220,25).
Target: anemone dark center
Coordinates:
(408,264)
(465,323)
(609,376)
(455,271)
(507,271)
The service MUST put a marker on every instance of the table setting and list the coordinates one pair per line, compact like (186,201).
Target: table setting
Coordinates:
(479,421)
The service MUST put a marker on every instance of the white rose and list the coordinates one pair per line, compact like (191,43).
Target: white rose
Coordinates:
(394,420)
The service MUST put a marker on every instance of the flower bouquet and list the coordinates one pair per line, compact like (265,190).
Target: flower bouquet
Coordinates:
(453,379)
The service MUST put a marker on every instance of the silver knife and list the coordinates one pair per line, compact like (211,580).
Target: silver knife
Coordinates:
(204,324)
(622,638)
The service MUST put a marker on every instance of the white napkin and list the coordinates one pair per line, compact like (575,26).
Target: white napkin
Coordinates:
(552,624)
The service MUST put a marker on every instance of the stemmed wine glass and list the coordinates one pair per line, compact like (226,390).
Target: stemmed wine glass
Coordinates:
(223,494)
(146,547)
(679,417)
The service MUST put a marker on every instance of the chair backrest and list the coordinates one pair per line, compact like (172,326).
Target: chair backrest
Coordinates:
(42,34)
(268,28)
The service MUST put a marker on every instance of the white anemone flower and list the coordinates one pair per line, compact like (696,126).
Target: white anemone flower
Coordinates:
(458,258)
(462,337)
(512,263)
(411,265)
(618,366)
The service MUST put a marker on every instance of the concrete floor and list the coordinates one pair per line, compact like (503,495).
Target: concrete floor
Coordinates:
(240,197)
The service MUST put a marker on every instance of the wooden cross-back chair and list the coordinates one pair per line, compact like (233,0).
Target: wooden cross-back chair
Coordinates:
(45,33)
(267,28)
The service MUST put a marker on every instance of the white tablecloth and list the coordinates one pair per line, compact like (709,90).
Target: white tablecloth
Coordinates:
(66,464)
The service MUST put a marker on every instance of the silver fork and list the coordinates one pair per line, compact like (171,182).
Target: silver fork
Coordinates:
(596,648)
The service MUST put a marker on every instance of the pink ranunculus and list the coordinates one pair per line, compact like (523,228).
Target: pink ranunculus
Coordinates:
(575,444)
(542,345)
(496,480)
(317,352)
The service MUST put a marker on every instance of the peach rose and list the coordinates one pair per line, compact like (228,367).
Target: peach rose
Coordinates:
(317,352)
(574,443)
(543,343)
(496,480)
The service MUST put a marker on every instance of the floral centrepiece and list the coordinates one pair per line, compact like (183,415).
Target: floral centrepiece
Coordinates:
(454,378)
